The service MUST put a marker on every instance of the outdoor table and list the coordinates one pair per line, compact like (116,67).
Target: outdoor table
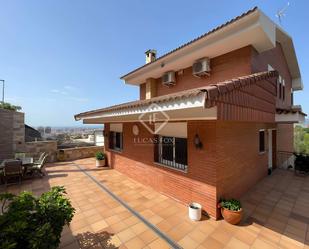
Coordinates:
(26,162)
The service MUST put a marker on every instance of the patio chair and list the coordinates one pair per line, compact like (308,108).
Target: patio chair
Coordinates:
(38,168)
(12,169)
(39,161)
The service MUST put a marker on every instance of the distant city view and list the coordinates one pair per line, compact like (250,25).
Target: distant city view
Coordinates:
(68,137)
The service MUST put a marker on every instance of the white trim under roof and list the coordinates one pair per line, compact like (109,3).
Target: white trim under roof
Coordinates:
(296,117)
(186,108)
(254,29)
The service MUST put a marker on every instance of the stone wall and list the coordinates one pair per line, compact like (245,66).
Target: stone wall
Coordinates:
(18,131)
(12,138)
(79,152)
(6,134)
(34,149)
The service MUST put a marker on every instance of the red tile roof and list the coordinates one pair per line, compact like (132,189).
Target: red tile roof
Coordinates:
(196,39)
(211,93)
(293,109)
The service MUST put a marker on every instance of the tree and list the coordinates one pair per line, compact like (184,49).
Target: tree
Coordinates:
(301,140)
(9,106)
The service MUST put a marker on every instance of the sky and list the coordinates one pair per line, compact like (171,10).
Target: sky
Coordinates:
(59,58)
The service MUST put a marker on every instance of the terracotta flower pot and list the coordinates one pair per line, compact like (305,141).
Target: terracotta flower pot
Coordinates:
(232,217)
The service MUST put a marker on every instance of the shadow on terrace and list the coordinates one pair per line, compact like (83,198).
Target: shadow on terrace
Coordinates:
(276,212)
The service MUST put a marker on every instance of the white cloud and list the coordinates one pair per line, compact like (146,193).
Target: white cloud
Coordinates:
(68,87)
(79,99)
(59,91)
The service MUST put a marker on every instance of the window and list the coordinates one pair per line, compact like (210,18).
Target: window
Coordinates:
(283,92)
(172,152)
(262,141)
(115,140)
(280,90)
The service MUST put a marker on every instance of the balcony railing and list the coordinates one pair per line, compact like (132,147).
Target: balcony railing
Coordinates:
(285,159)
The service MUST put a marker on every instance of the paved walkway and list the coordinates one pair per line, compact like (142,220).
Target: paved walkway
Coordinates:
(277,212)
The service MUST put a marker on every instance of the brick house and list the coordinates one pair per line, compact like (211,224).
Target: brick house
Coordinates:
(212,113)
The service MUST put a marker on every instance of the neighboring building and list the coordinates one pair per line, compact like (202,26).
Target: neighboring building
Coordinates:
(98,138)
(16,137)
(212,113)
(32,134)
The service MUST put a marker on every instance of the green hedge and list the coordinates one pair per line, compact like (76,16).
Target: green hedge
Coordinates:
(34,222)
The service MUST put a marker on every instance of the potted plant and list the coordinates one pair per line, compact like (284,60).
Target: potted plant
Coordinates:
(231,210)
(100,159)
(195,211)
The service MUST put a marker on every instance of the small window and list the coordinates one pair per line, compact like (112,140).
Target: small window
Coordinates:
(172,152)
(283,92)
(115,140)
(262,141)
(280,90)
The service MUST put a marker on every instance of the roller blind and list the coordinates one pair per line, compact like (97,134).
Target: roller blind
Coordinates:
(116,127)
(178,129)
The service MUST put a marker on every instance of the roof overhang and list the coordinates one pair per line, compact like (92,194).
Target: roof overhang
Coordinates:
(186,108)
(192,104)
(254,29)
(292,115)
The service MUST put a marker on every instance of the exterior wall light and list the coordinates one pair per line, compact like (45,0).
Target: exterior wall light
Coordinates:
(197,142)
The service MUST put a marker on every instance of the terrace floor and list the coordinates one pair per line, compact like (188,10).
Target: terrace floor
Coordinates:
(276,212)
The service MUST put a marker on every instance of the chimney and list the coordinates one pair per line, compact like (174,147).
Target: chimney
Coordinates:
(151,55)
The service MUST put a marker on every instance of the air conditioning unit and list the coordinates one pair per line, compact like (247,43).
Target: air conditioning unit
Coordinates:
(201,67)
(168,79)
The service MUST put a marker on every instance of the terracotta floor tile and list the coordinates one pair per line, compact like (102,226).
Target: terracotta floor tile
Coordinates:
(290,243)
(237,244)
(99,226)
(76,225)
(126,235)
(188,243)
(113,219)
(135,243)
(246,236)
(158,244)
(164,226)
(147,236)
(94,218)
(261,244)
(278,204)
(139,228)
(206,229)
(130,221)
(221,235)
(211,243)
(197,235)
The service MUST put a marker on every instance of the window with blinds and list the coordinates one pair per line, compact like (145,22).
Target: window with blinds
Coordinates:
(115,140)
(171,152)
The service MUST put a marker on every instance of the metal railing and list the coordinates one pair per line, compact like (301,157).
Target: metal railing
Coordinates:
(172,164)
(285,159)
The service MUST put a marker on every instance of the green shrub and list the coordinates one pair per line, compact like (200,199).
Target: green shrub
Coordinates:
(34,222)
(100,156)
(232,204)
(9,106)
